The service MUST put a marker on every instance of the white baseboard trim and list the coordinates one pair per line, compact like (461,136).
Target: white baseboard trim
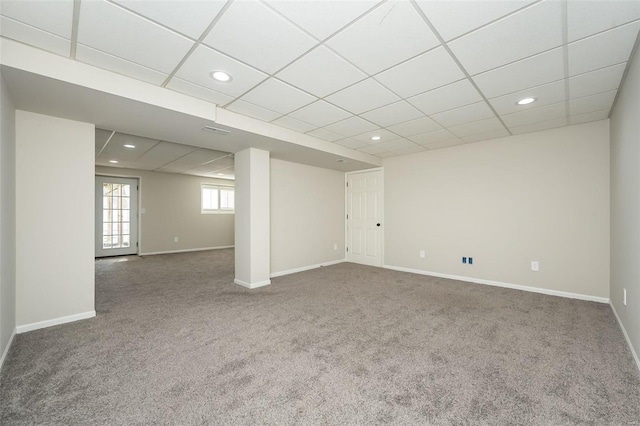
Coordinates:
(505,285)
(252,286)
(6,350)
(185,250)
(56,321)
(305,268)
(626,336)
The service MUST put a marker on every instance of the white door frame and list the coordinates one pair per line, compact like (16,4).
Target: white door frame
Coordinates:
(346,210)
(139,215)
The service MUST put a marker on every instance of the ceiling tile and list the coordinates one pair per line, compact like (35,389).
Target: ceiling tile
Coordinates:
(598,81)
(102,136)
(193,160)
(585,18)
(432,137)
(251,110)
(54,17)
(393,28)
(415,127)
(371,149)
(487,136)
(351,143)
(253,33)
(409,78)
(320,113)
(535,115)
(454,18)
(321,72)
(197,91)
(396,145)
(278,96)
(542,125)
(136,39)
(465,114)
(33,36)
(613,47)
(530,72)
(293,124)
(113,63)
(403,151)
(325,134)
(203,60)
(385,135)
(525,33)
(115,149)
(546,94)
(444,144)
(444,98)
(388,115)
(363,96)
(477,127)
(161,154)
(601,101)
(590,116)
(321,18)
(188,17)
(352,126)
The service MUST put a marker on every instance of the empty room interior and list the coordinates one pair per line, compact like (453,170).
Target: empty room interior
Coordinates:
(319,212)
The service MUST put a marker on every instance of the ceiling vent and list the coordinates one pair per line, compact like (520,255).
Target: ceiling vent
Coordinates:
(216,130)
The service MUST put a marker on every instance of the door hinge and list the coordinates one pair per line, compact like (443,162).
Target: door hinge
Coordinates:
(136,244)
(347,249)
(347,217)
(347,184)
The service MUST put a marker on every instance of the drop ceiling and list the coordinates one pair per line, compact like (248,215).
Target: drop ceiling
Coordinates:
(114,149)
(421,75)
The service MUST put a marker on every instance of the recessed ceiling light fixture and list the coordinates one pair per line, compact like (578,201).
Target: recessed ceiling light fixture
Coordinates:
(221,76)
(376,138)
(129,146)
(113,161)
(220,174)
(526,101)
(341,160)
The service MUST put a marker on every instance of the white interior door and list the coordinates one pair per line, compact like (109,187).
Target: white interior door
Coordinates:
(364,217)
(116,216)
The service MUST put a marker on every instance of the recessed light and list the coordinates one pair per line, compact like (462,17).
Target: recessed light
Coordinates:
(129,146)
(341,160)
(221,76)
(526,101)
(113,161)
(220,174)
(376,138)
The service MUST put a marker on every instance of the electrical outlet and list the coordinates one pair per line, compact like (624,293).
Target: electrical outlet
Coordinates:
(422,254)
(335,246)
(464,260)
(535,266)
(175,239)
(624,296)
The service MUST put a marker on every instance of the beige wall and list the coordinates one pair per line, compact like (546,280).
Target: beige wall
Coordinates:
(7,221)
(537,197)
(54,237)
(307,216)
(625,204)
(172,209)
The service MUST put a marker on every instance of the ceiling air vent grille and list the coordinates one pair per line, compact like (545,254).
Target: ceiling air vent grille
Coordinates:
(216,130)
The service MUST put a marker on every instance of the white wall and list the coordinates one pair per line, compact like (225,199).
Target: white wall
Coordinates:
(541,196)
(625,204)
(307,216)
(7,221)
(172,209)
(54,220)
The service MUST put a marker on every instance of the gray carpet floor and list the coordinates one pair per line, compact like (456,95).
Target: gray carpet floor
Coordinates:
(175,342)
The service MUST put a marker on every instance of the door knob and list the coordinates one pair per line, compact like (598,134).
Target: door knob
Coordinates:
(377,224)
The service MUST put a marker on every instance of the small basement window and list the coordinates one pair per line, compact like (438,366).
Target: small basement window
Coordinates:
(216,199)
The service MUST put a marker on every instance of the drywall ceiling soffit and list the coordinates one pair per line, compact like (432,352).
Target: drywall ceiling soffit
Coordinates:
(341,70)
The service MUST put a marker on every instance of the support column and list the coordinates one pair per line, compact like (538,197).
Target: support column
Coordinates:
(252,224)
